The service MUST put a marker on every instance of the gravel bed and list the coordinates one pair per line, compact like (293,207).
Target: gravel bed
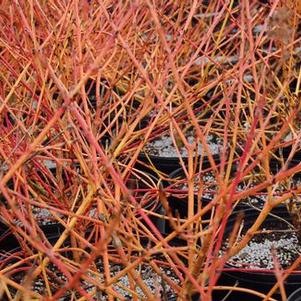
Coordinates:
(44,216)
(164,147)
(260,198)
(258,254)
(151,279)
(207,180)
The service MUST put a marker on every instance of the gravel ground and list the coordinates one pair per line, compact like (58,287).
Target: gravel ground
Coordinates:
(163,146)
(150,278)
(258,253)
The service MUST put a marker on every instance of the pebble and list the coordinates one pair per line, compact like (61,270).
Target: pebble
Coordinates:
(151,279)
(164,147)
(258,253)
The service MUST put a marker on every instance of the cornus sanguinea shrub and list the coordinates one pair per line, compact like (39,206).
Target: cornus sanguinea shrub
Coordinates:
(86,86)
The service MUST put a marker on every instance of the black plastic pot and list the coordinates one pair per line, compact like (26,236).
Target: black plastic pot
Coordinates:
(276,165)
(258,200)
(144,187)
(284,153)
(295,296)
(164,164)
(193,298)
(178,198)
(161,164)
(18,273)
(223,295)
(14,253)
(7,239)
(255,279)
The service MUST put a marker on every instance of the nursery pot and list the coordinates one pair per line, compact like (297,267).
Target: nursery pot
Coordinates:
(260,276)
(149,275)
(7,239)
(284,152)
(164,164)
(220,295)
(24,268)
(255,178)
(177,192)
(295,296)
(276,165)
(144,187)
(258,200)
(162,154)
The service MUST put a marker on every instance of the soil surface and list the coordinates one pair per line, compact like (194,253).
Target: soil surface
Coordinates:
(276,238)
(163,146)
(155,283)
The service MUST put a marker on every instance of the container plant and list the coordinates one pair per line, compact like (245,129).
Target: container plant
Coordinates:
(295,296)
(274,246)
(168,150)
(226,68)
